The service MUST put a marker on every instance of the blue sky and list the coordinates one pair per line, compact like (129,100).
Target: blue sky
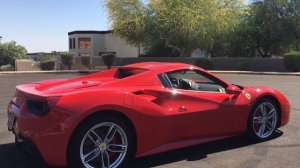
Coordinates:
(43,25)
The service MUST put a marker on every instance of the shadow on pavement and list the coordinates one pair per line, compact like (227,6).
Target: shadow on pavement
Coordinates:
(12,157)
(197,152)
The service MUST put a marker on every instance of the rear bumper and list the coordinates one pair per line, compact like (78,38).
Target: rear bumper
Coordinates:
(29,147)
(44,137)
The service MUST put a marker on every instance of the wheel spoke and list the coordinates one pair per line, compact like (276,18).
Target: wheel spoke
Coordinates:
(262,129)
(105,159)
(258,120)
(110,134)
(95,137)
(91,155)
(269,125)
(117,148)
(263,110)
(271,113)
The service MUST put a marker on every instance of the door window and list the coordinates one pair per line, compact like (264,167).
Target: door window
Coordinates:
(194,80)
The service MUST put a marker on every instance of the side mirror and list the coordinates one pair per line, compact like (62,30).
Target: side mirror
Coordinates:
(232,89)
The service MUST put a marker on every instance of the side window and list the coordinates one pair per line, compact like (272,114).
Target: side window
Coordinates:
(164,80)
(194,80)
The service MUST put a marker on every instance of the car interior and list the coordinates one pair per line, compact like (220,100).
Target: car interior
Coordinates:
(193,80)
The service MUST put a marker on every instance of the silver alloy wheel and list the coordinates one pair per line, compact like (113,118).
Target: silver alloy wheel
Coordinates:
(264,120)
(104,146)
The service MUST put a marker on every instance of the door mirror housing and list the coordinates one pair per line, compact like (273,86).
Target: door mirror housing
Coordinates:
(233,89)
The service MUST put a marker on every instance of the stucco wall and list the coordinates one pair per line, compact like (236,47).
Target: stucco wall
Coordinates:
(97,43)
(228,64)
(26,65)
(121,47)
(251,64)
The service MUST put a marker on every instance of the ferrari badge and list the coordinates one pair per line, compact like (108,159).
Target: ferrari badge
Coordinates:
(248,96)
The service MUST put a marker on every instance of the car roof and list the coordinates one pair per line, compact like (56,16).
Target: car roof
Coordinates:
(163,67)
(159,67)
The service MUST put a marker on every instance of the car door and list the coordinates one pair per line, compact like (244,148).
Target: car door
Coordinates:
(205,110)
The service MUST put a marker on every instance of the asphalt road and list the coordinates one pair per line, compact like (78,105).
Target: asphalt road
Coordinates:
(282,151)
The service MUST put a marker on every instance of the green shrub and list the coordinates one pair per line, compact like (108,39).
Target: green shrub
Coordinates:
(67,59)
(11,51)
(47,65)
(86,61)
(204,63)
(47,62)
(45,57)
(292,61)
(108,59)
(7,67)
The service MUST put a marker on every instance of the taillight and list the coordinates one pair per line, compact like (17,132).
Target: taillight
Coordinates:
(43,107)
(39,108)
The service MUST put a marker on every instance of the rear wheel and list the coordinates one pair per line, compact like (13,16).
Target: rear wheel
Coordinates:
(104,142)
(263,120)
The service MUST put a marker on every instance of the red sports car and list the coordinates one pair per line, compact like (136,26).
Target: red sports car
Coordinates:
(107,118)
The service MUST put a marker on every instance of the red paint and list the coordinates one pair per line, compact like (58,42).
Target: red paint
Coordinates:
(164,119)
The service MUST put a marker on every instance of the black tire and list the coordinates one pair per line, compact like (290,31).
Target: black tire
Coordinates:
(253,128)
(73,156)
(17,143)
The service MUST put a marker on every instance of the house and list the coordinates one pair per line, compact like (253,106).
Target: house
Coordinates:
(95,43)
(36,56)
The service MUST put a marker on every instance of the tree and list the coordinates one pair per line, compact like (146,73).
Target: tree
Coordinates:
(108,59)
(183,25)
(129,19)
(268,27)
(236,43)
(67,58)
(10,51)
(274,26)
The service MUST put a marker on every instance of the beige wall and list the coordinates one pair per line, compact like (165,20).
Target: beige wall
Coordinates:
(26,65)
(98,44)
(121,47)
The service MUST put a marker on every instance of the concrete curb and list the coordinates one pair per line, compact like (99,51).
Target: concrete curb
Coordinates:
(93,71)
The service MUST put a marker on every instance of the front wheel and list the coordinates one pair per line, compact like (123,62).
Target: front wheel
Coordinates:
(263,119)
(105,142)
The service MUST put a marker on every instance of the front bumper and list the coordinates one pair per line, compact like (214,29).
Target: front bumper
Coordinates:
(45,137)
(285,113)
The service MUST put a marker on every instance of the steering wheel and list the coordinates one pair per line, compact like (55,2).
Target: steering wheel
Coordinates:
(175,82)
(185,84)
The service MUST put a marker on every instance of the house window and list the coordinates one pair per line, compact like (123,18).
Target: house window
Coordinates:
(73,43)
(84,43)
(70,44)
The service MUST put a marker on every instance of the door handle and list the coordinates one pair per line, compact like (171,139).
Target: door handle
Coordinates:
(182,109)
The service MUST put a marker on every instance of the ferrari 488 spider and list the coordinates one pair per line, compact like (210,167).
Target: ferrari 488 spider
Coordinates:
(107,118)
